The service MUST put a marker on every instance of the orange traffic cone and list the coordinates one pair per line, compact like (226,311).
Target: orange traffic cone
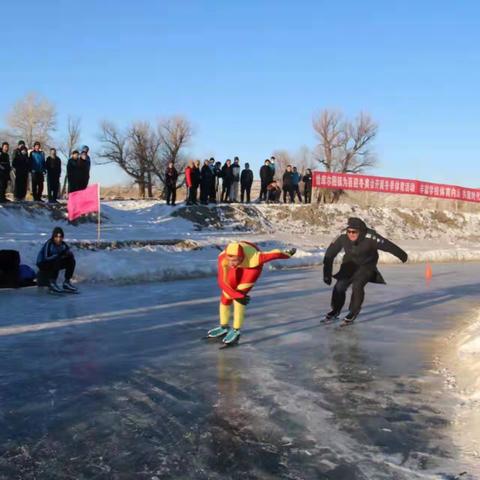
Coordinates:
(428,272)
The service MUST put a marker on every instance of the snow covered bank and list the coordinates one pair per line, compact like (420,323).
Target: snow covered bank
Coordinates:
(460,366)
(150,241)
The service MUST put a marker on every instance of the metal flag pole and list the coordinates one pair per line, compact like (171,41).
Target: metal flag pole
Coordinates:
(98,214)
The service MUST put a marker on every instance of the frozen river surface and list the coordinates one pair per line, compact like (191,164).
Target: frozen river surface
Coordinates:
(116,383)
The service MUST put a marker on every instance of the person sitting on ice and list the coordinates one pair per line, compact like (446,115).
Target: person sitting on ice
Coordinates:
(239,267)
(54,256)
(359,266)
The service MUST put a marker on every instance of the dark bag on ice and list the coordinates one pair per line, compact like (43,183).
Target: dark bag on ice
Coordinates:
(27,276)
(9,269)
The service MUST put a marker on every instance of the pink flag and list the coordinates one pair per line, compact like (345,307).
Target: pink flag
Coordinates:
(83,201)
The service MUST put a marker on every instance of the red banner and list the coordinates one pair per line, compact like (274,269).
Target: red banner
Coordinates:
(370,183)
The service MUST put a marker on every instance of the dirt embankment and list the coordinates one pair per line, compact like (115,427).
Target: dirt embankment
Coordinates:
(394,222)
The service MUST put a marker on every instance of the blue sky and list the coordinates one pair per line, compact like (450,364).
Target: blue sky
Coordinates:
(250,75)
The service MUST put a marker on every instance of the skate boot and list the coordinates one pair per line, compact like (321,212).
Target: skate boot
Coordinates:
(53,287)
(349,319)
(218,332)
(232,337)
(330,316)
(68,287)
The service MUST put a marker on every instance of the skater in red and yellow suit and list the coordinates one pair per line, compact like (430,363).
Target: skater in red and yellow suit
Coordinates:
(239,267)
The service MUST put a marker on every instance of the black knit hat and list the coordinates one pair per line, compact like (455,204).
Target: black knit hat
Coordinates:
(357,224)
(56,231)
(21,142)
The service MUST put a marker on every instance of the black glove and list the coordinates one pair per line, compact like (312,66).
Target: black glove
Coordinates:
(327,280)
(291,252)
(244,301)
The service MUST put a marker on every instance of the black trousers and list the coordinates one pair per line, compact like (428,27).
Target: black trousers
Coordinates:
(358,282)
(245,190)
(192,194)
(37,185)
(289,191)
(225,192)
(171,194)
(263,191)
(204,193)
(53,267)
(53,187)
(296,191)
(212,193)
(3,186)
(307,195)
(20,189)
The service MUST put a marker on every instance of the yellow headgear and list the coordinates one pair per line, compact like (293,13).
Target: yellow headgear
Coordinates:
(234,249)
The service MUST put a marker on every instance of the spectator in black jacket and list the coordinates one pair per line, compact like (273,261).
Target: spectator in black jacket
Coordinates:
(196,179)
(236,170)
(171,176)
(54,170)
(227,176)
(20,165)
(246,181)
(218,176)
(4,171)
(307,186)
(206,181)
(266,178)
(78,172)
(287,185)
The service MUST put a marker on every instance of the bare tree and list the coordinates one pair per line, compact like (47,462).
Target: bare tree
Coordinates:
(330,131)
(358,154)
(33,118)
(173,135)
(115,148)
(72,136)
(142,151)
(344,146)
(144,147)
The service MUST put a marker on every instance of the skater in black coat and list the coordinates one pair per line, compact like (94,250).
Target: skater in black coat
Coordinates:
(359,265)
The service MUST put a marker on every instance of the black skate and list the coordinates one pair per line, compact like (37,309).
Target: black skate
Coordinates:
(330,317)
(348,320)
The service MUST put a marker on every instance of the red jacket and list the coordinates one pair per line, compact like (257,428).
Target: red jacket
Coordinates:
(188,176)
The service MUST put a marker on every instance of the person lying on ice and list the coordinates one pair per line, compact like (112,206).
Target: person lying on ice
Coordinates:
(239,267)
(359,266)
(54,256)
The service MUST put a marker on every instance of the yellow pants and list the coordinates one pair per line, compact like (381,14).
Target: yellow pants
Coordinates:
(238,308)
(238,314)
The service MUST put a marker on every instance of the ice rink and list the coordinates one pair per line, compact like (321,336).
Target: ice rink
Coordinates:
(116,383)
